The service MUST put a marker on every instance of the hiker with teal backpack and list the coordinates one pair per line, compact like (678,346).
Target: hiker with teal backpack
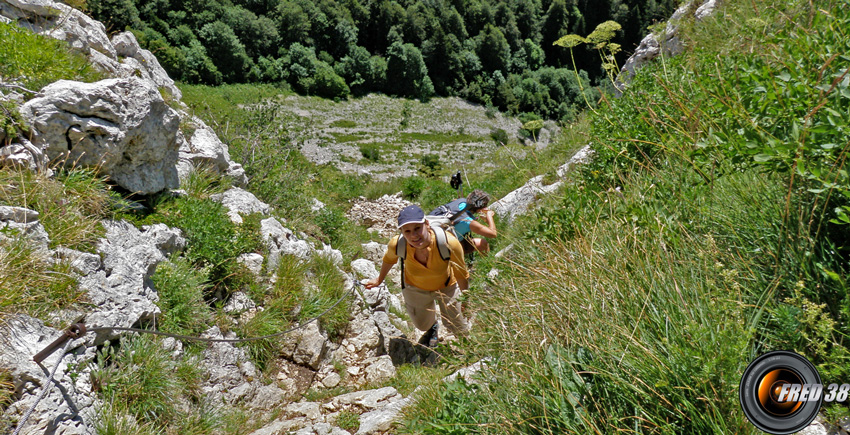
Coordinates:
(432,272)
(462,213)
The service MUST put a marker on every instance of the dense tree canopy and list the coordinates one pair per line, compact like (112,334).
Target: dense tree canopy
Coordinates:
(497,52)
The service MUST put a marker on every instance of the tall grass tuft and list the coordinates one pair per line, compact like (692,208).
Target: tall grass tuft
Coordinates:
(70,206)
(181,291)
(145,390)
(330,287)
(34,61)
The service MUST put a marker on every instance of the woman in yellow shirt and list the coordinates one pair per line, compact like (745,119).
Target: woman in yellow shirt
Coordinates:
(428,279)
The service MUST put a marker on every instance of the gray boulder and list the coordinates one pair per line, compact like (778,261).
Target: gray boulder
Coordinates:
(22,154)
(665,43)
(122,127)
(62,410)
(282,241)
(121,291)
(238,202)
(205,150)
(138,59)
(24,222)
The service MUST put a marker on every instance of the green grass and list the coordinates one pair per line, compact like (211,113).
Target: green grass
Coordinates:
(70,208)
(7,389)
(703,234)
(343,123)
(34,61)
(440,138)
(330,285)
(70,205)
(146,391)
(30,283)
(181,289)
(348,420)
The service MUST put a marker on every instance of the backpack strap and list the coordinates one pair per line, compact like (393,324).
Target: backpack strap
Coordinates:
(401,252)
(442,243)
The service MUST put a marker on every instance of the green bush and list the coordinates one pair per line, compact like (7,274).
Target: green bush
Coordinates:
(499,136)
(431,165)
(139,379)
(214,242)
(181,297)
(371,152)
(413,187)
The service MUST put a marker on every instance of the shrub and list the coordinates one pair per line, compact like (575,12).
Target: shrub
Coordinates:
(413,187)
(181,297)
(213,240)
(140,380)
(371,152)
(326,83)
(499,136)
(431,165)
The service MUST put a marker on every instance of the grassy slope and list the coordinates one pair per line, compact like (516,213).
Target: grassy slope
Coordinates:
(635,298)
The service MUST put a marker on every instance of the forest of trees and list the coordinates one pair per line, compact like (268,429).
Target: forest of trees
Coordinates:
(494,52)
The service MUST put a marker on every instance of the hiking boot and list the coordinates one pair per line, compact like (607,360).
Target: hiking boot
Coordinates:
(430,338)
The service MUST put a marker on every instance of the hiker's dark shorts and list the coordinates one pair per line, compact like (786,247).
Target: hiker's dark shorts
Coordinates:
(467,245)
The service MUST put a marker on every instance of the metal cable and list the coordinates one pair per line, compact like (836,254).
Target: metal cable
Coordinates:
(43,390)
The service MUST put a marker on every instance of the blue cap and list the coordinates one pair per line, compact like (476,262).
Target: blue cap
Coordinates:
(411,214)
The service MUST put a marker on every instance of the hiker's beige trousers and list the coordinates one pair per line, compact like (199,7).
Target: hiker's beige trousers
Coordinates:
(422,309)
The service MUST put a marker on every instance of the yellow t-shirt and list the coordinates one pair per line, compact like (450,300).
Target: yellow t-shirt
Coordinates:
(433,275)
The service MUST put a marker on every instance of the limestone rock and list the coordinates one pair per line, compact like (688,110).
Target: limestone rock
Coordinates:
(379,369)
(364,400)
(239,302)
(240,202)
(282,241)
(381,420)
(22,154)
(205,150)
(83,263)
(666,43)
(520,200)
(334,255)
(380,215)
(230,371)
(121,290)
(305,346)
(364,269)
(253,261)
(122,127)
(294,379)
(374,252)
(143,61)
(60,410)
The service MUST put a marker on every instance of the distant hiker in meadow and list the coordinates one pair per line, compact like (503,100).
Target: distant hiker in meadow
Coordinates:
(462,214)
(433,272)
